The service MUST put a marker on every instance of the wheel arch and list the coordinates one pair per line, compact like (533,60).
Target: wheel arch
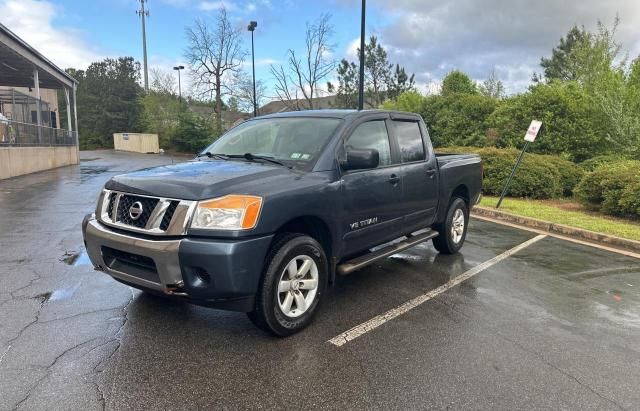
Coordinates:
(461,191)
(313,226)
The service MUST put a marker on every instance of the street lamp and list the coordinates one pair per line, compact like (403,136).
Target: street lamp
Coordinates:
(361,82)
(252,27)
(178,68)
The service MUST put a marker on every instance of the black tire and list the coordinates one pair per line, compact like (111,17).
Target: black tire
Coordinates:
(268,314)
(446,242)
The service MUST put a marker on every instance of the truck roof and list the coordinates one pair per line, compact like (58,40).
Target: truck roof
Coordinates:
(332,113)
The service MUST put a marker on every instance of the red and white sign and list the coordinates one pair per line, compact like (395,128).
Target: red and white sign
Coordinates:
(532,133)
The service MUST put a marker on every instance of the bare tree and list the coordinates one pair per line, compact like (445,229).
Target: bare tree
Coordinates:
(298,83)
(163,81)
(243,92)
(215,55)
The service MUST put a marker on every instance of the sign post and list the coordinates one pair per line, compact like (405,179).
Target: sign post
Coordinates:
(529,138)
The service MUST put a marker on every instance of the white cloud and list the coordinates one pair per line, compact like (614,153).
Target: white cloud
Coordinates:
(432,37)
(33,21)
(351,53)
(216,5)
(246,64)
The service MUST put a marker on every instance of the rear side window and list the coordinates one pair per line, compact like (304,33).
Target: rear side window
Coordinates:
(409,140)
(372,135)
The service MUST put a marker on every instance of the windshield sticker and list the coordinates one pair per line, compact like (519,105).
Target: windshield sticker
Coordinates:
(305,156)
(295,155)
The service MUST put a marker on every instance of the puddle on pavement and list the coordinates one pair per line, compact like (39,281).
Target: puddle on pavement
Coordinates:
(76,258)
(63,293)
(44,297)
(90,159)
(87,172)
(92,170)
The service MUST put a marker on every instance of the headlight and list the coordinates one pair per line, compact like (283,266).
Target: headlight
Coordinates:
(232,212)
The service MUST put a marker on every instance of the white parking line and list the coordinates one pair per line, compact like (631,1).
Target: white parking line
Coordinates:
(378,320)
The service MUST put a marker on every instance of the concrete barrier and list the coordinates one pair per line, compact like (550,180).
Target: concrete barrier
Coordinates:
(17,161)
(554,228)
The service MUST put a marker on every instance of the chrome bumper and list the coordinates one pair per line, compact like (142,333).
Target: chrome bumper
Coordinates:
(165,254)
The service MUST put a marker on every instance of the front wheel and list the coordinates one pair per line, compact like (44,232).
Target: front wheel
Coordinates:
(294,281)
(453,231)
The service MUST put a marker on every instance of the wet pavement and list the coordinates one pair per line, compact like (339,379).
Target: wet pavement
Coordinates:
(556,325)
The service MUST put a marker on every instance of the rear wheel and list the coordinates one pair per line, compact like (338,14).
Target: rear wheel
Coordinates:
(453,231)
(294,281)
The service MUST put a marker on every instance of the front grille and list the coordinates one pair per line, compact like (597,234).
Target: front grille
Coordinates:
(129,263)
(112,201)
(158,215)
(168,215)
(124,206)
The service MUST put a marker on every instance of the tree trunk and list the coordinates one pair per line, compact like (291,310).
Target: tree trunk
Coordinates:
(218,106)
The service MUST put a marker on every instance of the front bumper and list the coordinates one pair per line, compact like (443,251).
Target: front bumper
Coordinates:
(218,273)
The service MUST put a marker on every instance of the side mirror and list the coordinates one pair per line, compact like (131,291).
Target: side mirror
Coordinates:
(360,159)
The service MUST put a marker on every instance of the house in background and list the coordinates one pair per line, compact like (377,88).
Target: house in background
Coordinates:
(278,106)
(31,137)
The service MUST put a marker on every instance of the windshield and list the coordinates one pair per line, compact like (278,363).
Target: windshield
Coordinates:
(298,140)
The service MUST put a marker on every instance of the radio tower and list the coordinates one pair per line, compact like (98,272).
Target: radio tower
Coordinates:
(144,13)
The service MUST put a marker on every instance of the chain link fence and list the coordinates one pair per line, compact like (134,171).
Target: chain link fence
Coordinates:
(14,133)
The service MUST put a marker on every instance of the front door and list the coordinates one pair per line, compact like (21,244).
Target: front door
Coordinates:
(371,197)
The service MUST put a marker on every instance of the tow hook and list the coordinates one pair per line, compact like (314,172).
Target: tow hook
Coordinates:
(175,289)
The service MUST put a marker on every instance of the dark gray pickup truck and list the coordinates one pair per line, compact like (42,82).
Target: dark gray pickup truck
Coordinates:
(266,216)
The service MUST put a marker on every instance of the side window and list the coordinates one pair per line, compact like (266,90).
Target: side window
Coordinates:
(372,135)
(409,140)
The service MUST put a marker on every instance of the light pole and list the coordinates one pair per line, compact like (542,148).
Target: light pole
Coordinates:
(178,68)
(361,83)
(144,13)
(252,27)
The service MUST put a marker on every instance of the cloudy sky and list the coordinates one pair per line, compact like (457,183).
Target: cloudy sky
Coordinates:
(429,37)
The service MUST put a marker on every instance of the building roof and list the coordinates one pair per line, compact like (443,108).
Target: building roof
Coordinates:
(229,118)
(278,106)
(17,60)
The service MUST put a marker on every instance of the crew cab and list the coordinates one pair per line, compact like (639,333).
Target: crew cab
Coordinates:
(266,216)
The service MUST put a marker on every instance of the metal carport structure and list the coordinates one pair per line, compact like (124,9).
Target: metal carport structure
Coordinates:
(21,65)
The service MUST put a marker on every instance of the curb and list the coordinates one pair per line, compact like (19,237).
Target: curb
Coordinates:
(577,233)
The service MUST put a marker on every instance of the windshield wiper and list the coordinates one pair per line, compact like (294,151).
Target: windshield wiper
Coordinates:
(254,157)
(213,155)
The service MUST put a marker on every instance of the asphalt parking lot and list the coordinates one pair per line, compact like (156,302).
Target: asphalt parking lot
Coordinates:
(553,325)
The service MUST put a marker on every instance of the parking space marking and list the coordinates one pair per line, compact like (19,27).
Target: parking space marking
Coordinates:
(561,237)
(378,320)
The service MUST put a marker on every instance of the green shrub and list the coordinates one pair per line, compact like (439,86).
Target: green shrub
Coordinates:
(630,200)
(612,188)
(592,163)
(192,133)
(571,126)
(458,119)
(539,176)
(570,173)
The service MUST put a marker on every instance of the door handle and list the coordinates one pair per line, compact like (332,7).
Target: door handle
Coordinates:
(393,179)
(431,172)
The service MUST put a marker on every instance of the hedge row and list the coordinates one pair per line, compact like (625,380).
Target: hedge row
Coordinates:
(539,176)
(612,187)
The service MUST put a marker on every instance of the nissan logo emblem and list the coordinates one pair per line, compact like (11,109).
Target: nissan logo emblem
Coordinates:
(136,210)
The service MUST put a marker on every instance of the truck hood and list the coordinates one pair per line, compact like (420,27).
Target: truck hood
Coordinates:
(198,180)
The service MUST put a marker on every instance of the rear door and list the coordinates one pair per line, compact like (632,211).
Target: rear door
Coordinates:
(419,170)
(371,197)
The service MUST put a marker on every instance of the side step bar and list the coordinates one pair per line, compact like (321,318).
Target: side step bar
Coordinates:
(357,263)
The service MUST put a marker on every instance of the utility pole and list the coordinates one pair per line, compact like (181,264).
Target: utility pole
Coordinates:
(144,13)
(178,68)
(252,28)
(361,83)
